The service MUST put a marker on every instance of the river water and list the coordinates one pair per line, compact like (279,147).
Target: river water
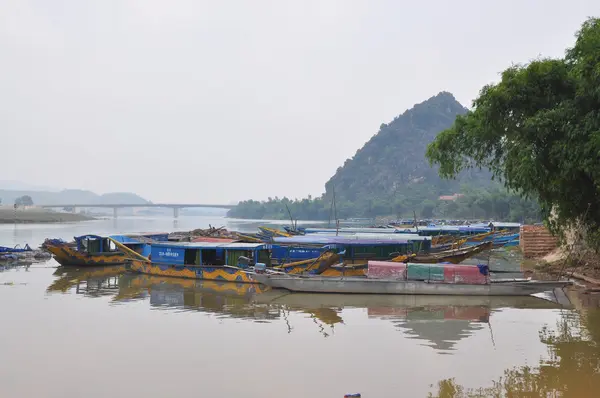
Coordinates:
(106,333)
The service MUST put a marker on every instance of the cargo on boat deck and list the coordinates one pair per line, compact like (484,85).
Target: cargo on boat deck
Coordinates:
(425,272)
(386,269)
(470,274)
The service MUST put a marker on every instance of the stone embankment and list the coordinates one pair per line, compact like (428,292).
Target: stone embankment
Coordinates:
(536,241)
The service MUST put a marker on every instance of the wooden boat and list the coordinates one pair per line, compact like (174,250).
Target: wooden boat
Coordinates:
(351,285)
(441,239)
(480,237)
(454,256)
(448,246)
(91,250)
(272,232)
(346,270)
(202,260)
(311,266)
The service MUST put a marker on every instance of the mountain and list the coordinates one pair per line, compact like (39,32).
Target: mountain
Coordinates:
(71,196)
(390,175)
(390,172)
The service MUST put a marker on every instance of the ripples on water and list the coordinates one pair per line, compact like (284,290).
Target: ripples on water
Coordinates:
(101,332)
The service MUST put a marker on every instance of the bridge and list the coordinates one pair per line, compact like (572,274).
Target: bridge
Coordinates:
(174,206)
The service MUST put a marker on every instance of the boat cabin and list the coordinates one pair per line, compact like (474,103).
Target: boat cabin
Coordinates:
(94,244)
(358,248)
(208,253)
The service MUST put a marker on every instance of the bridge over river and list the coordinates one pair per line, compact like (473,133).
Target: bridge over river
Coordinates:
(115,207)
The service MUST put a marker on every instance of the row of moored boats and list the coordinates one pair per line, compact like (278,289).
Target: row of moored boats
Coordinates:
(425,260)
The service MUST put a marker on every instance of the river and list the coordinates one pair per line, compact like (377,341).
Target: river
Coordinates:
(106,333)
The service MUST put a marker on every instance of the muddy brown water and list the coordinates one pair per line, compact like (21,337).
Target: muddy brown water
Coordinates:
(103,332)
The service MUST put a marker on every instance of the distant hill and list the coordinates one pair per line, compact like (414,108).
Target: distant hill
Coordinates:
(391,170)
(71,196)
(390,175)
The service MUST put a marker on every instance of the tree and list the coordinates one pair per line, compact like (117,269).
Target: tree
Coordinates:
(538,130)
(427,210)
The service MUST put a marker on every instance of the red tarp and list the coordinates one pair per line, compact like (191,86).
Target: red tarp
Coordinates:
(469,274)
(386,269)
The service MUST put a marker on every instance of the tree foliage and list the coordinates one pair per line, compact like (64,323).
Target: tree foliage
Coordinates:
(24,200)
(492,203)
(538,130)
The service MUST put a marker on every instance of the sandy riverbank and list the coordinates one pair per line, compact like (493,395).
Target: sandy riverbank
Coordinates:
(36,215)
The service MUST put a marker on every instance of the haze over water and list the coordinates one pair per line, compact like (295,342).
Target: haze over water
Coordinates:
(106,333)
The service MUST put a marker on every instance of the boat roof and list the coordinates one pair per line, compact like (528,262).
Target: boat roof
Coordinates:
(341,240)
(210,245)
(382,236)
(89,236)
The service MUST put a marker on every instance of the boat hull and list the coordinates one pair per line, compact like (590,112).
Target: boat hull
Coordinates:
(68,256)
(451,256)
(391,286)
(204,272)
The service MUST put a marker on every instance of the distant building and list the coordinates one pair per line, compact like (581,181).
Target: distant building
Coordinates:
(451,197)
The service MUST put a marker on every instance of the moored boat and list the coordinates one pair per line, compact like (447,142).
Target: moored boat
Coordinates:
(357,285)
(454,256)
(22,254)
(93,250)
(202,260)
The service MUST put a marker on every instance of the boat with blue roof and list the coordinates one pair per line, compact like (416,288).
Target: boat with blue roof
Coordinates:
(202,260)
(95,250)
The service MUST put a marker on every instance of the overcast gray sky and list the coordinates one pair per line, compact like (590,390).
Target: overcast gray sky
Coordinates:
(217,101)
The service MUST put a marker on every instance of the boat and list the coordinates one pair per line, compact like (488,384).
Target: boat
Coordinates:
(316,265)
(94,250)
(357,285)
(202,260)
(454,256)
(16,249)
(22,254)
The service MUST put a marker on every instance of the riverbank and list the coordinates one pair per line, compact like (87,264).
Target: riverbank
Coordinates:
(36,215)
(582,266)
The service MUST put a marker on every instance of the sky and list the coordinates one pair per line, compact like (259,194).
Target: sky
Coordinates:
(220,101)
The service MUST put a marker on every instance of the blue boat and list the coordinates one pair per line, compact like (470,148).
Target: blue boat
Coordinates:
(16,249)
(202,260)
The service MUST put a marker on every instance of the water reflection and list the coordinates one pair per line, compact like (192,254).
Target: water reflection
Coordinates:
(439,322)
(90,281)
(17,266)
(223,298)
(571,368)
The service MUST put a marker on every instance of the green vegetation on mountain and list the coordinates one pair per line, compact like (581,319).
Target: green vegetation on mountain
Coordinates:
(390,176)
(539,131)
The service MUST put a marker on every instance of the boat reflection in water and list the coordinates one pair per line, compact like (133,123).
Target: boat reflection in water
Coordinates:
(440,321)
(89,281)
(229,299)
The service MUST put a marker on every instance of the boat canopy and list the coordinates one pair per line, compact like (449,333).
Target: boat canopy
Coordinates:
(207,253)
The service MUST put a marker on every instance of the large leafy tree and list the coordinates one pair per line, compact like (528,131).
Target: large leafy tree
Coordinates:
(538,130)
